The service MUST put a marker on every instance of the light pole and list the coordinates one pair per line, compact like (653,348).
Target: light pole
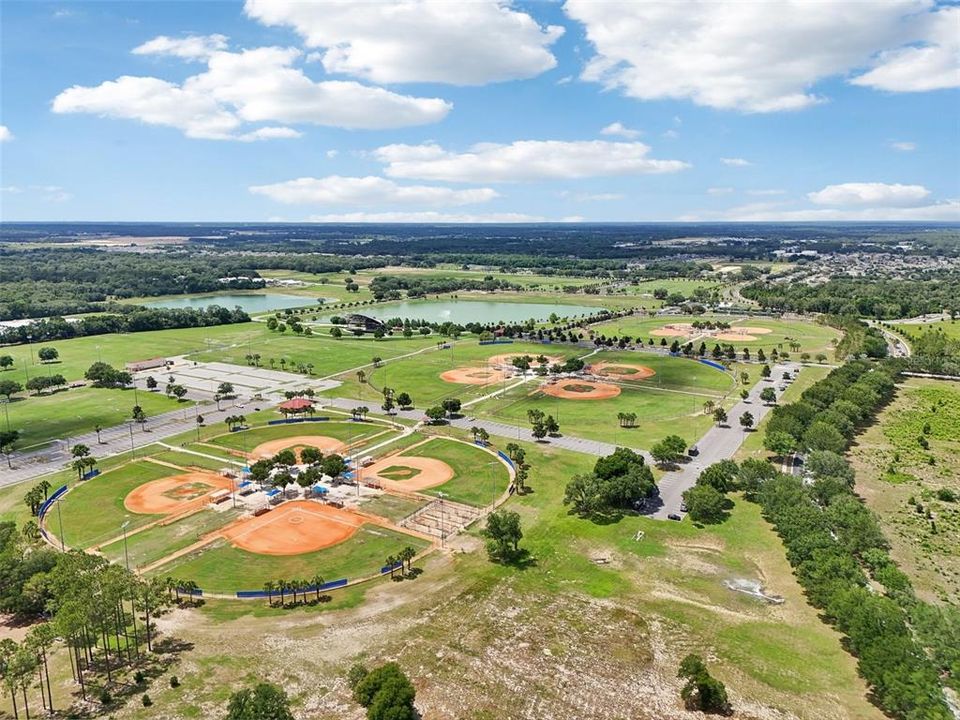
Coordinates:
(63,546)
(126,555)
(133,450)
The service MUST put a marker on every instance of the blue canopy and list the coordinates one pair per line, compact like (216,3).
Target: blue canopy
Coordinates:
(272,492)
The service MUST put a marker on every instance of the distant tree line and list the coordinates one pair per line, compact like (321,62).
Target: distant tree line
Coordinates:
(882,299)
(124,319)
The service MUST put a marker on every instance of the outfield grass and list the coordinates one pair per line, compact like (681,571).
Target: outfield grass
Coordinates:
(158,542)
(349,432)
(420,375)
(478,479)
(670,402)
(93,511)
(77,411)
(220,568)
(392,507)
(813,338)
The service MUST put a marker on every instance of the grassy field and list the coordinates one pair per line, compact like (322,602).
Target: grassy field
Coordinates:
(220,568)
(895,471)
(93,511)
(813,338)
(64,414)
(349,432)
(950,329)
(478,477)
(420,375)
(158,542)
(669,402)
(392,507)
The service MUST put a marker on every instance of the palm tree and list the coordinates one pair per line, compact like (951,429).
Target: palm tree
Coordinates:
(268,588)
(281,587)
(361,376)
(391,562)
(317,582)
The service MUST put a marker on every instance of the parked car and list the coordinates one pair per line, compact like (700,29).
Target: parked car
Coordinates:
(674,516)
(693,451)
(683,507)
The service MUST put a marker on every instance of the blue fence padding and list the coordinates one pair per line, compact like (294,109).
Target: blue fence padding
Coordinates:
(387,568)
(333,584)
(506,457)
(92,474)
(248,594)
(49,501)
(496,342)
(192,593)
(712,364)
(251,594)
(291,421)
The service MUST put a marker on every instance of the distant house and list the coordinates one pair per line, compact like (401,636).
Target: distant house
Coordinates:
(146,364)
(356,321)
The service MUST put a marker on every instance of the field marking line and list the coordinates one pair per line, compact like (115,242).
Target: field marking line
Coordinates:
(199,454)
(164,463)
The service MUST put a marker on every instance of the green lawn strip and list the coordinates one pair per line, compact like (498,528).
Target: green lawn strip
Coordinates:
(949,328)
(753,443)
(392,507)
(93,511)
(349,432)
(220,568)
(159,541)
(68,413)
(479,478)
(185,459)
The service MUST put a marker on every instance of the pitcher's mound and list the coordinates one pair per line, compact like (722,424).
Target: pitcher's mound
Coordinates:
(581,390)
(176,494)
(624,371)
(297,442)
(473,376)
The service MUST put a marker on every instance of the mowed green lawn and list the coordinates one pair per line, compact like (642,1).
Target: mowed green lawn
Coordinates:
(65,414)
(479,477)
(93,510)
(813,338)
(349,432)
(420,375)
(670,402)
(158,542)
(916,330)
(221,568)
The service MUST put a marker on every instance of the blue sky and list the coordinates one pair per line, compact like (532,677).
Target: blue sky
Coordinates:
(480,111)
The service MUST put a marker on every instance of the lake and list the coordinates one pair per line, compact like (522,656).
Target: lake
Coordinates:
(466,311)
(252,303)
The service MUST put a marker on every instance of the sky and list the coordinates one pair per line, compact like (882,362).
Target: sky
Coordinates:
(479,111)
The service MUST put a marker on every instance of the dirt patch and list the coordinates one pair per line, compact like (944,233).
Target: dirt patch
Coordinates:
(294,528)
(429,472)
(297,443)
(507,358)
(673,330)
(734,337)
(581,390)
(626,371)
(174,495)
(473,376)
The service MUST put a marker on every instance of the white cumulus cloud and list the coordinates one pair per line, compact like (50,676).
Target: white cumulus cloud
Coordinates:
(252,86)
(523,160)
(397,41)
(764,56)
(191,47)
(618,128)
(870,194)
(5,134)
(735,162)
(337,190)
(933,64)
(903,146)
(946,211)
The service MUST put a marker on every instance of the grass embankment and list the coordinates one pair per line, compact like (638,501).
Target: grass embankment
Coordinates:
(893,469)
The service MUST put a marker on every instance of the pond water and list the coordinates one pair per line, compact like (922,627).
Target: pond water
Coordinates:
(466,311)
(252,303)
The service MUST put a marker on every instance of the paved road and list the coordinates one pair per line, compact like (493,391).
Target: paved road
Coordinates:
(718,443)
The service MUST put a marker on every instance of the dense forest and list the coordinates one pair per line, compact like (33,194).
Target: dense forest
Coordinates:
(881,299)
